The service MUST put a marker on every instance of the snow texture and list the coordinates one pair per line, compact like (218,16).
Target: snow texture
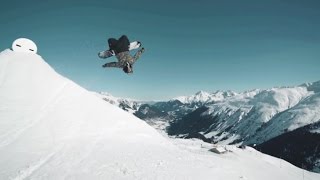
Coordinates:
(51,128)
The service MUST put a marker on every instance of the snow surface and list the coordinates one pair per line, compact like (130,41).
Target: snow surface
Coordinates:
(51,128)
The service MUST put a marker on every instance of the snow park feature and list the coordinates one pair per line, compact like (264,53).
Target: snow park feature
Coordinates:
(219,150)
(24,45)
(52,128)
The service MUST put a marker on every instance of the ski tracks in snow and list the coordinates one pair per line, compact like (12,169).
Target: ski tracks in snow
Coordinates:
(10,137)
(30,169)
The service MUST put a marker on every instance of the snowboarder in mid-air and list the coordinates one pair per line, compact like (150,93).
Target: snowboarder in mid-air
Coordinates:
(121,49)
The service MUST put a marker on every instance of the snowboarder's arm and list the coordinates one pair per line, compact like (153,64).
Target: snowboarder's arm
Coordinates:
(137,55)
(112,64)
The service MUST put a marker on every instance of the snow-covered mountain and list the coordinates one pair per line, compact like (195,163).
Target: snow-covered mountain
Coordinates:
(51,128)
(250,117)
(157,114)
(143,110)
(255,116)
(203,97)
(300,146)
(306,112)
(129,105)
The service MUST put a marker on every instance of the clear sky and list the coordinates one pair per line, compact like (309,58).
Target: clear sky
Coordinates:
(190,45)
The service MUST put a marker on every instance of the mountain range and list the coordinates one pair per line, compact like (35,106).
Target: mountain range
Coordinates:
(250,118)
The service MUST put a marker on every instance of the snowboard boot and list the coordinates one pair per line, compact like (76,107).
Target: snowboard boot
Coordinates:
(105,54)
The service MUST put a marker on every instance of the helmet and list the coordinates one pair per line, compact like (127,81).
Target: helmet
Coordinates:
(127,68)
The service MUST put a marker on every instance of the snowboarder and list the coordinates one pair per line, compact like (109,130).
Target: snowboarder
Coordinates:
(120,48)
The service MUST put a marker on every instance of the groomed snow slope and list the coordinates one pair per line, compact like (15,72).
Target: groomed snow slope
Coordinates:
(51,128)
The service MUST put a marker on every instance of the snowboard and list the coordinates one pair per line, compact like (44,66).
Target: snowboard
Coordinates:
(107,53)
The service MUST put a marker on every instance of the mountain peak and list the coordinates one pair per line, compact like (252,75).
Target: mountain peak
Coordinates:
(205,97)
(201,93)
(314,86)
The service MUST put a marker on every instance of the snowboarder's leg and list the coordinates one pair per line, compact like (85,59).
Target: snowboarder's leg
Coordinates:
(112,44)
(123,44)
(112,64)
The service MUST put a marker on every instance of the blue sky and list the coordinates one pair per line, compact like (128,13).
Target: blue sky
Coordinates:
(190,45)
